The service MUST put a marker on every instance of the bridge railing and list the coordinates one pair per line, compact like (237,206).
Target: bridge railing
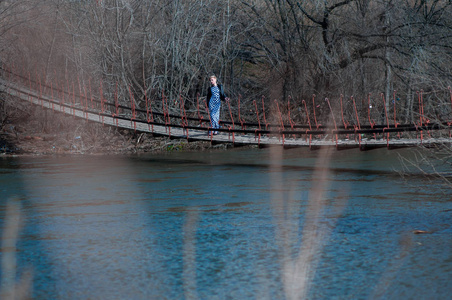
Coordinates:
(327,121)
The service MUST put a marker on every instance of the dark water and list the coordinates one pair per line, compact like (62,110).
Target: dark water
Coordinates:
(248,224)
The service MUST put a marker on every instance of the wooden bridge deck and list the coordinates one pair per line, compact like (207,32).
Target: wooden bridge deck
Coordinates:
(224,136)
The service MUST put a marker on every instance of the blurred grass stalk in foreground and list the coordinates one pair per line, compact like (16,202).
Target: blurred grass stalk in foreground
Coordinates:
(9,288)
(298,264)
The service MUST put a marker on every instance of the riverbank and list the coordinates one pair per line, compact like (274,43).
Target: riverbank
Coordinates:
(120,142)
(32,130)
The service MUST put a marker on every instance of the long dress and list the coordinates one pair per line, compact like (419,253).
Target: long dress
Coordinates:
(214,107)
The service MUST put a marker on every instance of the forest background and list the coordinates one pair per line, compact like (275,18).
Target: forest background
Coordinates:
(380,52)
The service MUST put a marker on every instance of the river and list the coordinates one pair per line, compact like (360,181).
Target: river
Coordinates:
(238,224)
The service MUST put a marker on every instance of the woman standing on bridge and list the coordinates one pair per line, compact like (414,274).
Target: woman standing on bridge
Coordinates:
(214,96)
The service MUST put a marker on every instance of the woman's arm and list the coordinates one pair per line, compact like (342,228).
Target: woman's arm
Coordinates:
(223,95)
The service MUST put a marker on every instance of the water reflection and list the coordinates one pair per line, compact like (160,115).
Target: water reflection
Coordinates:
(237,224)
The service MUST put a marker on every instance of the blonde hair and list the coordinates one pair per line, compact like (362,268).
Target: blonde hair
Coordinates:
(213,76)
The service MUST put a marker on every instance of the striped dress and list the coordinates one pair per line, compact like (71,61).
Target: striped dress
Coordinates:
(214,107)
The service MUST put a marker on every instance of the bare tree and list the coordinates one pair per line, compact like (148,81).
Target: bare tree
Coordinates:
(278,49)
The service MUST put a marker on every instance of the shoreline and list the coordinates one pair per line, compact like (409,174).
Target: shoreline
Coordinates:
(121,143)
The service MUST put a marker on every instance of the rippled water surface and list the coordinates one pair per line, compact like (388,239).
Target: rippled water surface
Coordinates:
(241,224)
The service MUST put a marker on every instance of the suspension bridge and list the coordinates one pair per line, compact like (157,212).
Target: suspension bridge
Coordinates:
(362,133)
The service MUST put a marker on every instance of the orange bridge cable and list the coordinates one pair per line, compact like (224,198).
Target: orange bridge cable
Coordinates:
(263,113)
(56,91)
(45,86)
(184,121)
(240,117)
(163,108)
(450,94)
(116,113)
(116,100)
(182,102)
(36,80)
(281,121)
(259,137)
(233,125)
(147,107)
(310,141)
(65,86)
(395,112)
(386,114)
(101,93)
(342,111)
(424,118)
(292,124)
(210,121)
(85,93)
(152,113)
(419,96)
(40,91)
(73,99)
(58,84)
(91,92)
(258,120)
(181,113)
(334,120)
(62,104)
(422,106)
(394,105)
(313,107)
(371,122)
(288,112)
(309,121)
(346,124)
(68,91)
(420,113)
(30,87)
(62,89)
(132,105)
(200,117)
(80,91)
(102,107)
(357,119)
(51,93)
(42,88)
(257,114)
(356,112)
(166,110)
